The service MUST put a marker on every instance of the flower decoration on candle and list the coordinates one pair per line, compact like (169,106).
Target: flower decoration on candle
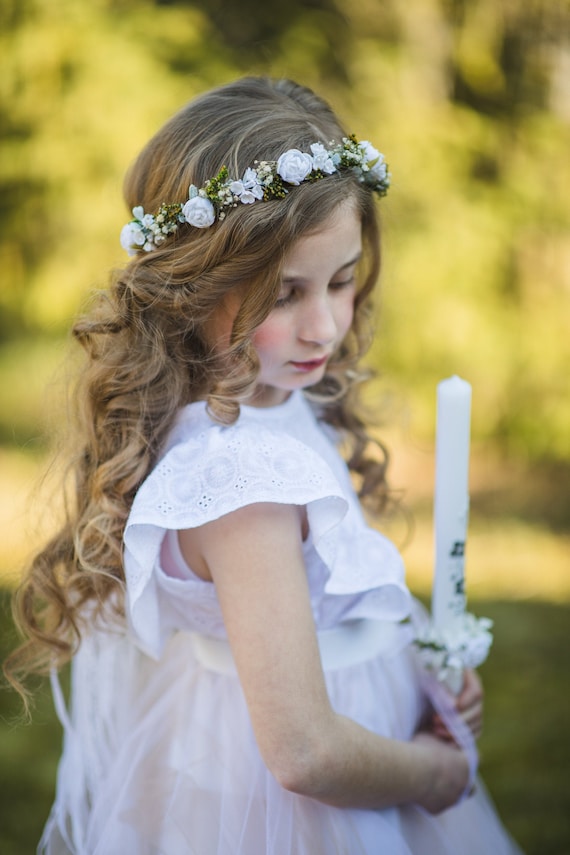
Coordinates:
(447,652)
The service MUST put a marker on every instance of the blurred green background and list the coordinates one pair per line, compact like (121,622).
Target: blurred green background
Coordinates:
(470,102)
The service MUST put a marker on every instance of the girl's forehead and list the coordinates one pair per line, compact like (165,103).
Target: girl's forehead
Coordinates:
(336,244)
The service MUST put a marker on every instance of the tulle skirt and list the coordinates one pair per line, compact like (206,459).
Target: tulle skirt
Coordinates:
(160,759)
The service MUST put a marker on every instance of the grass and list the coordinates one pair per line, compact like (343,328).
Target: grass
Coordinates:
(525,750)
(29,755)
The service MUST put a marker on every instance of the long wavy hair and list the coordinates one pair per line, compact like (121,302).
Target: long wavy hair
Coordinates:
(147,354)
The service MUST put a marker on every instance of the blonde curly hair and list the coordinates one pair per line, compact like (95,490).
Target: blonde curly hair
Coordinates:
(147,354)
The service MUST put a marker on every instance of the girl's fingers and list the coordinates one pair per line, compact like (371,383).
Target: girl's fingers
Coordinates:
(472,692)
(473,718)
(469,705)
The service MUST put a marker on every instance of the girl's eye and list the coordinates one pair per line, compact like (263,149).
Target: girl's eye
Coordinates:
(342,283)
(285,298)
(293,293)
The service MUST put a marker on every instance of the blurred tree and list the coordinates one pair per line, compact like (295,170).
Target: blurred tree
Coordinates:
(252,31)
(470,101)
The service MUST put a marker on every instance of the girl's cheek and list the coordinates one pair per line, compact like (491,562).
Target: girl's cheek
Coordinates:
(270,334)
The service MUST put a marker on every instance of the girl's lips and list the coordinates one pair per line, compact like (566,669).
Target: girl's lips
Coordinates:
(310,365)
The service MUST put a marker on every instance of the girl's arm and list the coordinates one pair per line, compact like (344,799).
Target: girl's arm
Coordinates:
(254,557)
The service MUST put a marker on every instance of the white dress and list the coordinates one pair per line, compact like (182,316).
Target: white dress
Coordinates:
(159,753)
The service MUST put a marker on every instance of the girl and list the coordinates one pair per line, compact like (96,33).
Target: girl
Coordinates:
(243,677)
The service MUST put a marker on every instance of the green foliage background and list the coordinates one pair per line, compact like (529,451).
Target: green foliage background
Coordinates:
(470,101)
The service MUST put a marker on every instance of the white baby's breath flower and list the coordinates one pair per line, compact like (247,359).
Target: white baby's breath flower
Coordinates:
(293,166)
(264,171)
(199,212)
(225,196)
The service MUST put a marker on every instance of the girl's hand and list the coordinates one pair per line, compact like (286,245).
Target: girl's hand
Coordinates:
(469,704)
(450,772)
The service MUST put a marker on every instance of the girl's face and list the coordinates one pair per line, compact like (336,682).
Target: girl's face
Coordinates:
(314,309)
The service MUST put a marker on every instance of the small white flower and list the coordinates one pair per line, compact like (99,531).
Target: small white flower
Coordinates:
(248,190)
(264,172)
(199,212)
(225,197)
(132,236)
(477,650)
(293,166)
(247,197)
(322,159)
(138,212)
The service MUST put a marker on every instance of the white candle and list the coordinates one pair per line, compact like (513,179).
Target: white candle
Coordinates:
(451,505)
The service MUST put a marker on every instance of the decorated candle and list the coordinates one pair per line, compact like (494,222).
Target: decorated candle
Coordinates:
(451,504)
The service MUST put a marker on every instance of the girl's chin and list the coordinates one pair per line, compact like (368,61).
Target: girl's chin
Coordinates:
(271,396)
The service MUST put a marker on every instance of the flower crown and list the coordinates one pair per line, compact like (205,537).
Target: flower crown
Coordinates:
(266,180)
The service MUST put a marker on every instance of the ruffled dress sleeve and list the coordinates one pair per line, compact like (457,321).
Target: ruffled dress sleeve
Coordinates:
(209,471)
(204,475)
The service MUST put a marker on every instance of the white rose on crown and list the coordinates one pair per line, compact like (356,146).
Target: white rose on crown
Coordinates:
(132,236)
(199,212)
(379,170)
(374,162)
(370,154)
(293,166)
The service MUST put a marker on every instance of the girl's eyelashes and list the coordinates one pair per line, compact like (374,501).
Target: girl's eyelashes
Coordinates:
(289,296)
(342,283)
(285,298)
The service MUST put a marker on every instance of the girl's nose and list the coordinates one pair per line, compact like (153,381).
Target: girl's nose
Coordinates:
(319,324)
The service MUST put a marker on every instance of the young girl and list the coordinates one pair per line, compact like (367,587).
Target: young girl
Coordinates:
(243,675)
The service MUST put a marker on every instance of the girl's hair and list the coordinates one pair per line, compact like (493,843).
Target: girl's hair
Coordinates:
(147,354)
